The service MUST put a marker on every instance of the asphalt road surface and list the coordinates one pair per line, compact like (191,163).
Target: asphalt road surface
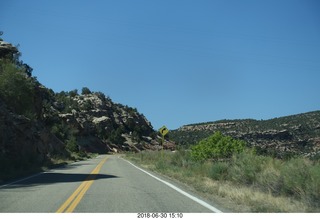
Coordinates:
(106,184)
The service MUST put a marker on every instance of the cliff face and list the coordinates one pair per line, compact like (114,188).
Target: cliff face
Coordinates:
(290,135)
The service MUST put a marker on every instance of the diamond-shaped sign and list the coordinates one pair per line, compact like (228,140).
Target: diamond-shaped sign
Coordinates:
(163,130)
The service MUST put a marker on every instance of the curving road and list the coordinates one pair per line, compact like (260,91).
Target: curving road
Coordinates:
(106,184)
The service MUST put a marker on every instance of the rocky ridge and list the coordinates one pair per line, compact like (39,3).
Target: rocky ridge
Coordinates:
(290,135)
(104,126)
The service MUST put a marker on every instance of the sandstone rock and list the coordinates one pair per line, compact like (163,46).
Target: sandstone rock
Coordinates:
(100,119)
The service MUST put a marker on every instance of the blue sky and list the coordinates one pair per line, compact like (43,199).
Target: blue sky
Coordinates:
(177,61)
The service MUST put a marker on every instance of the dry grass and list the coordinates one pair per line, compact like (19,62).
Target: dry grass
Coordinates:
(239,198)
(252,200)
(259,196)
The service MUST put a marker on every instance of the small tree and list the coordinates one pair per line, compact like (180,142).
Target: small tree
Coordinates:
(16,89)
(72,144)
(217,146)
(73,93)
(85,91)
(116,136)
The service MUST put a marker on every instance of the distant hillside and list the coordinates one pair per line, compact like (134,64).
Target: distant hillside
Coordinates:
(289,135)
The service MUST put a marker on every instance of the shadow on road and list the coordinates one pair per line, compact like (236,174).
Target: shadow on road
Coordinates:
(50,178)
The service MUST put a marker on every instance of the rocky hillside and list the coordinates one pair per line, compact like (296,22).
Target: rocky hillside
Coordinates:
(98,124)
(281,137)
(24,142)
(38,125)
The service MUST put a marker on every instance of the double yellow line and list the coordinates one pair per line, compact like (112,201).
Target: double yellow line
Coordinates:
(72,202)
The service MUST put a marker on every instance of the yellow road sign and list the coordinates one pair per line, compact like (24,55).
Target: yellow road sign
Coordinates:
(163,130)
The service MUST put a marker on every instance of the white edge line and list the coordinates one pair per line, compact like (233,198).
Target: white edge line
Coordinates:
(22,179)
(210,207)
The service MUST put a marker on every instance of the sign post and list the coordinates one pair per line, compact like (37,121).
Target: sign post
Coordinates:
(163,131)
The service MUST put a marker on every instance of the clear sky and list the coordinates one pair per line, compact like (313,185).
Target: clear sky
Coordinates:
(177,61)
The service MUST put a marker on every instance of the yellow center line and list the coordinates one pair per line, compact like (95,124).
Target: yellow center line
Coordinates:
(71,203)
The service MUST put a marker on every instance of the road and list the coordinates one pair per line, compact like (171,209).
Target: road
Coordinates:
(105,184)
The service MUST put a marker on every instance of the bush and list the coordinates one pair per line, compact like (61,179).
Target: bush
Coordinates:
(216,146)
(245,167)
(295,175)
(313,185)
(16,89)
(116,136)
(72,145)
(181,159)
(85,91)
(102,96)
(269,178)
(219,171)
(73,93)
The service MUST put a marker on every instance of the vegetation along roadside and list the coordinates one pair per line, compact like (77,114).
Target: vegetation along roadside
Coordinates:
(224,169)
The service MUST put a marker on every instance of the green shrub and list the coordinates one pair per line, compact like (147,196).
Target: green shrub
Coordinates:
(16,89)
(219,171)
(116,136)
(181,159)
(313,185)
(245,167)
(87,105)
(161,165)
(269,178)
(72,144)
(216,146)
(73,93)
(85,91)
(295,175)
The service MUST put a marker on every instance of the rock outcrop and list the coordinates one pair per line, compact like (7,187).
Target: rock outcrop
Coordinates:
(7,49)
(97,119)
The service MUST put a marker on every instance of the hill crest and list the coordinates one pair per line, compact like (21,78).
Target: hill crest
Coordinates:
(295,134)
